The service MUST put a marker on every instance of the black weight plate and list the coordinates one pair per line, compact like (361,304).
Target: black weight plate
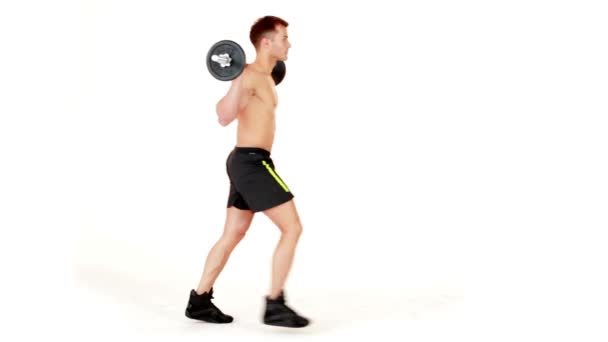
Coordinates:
(237,65)
(278,72)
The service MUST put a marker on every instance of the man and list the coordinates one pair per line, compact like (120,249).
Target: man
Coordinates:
(255,186)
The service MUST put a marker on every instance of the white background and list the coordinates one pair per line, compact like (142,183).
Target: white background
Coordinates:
(449,163)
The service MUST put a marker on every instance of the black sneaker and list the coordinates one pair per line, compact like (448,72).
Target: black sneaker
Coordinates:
(201,308)
(279,314)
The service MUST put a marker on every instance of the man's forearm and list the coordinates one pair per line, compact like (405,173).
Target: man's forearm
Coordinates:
(224,121)
(229,104)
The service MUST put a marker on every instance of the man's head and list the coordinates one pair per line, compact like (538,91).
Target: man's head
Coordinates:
(269,35)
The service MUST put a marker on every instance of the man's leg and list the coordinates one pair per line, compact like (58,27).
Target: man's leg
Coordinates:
(236,225)
(200,306)
(286,218)
(277,312)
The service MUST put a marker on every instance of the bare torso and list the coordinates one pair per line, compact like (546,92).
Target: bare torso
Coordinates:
(256,119)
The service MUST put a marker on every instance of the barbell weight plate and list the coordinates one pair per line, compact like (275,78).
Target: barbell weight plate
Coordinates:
(278,72)
(237,63)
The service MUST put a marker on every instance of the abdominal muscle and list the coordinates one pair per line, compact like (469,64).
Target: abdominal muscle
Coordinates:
(256,125)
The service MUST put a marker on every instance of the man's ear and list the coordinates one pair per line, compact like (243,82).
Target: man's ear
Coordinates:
(265,42)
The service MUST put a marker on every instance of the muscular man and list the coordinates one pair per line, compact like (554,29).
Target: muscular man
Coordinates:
(255,185)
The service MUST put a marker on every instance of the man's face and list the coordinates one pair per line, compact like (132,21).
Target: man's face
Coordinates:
(280,44)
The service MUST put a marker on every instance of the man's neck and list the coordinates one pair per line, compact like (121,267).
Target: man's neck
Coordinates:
(264,63)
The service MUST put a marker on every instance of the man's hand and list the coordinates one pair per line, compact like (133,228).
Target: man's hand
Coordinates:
(234,101)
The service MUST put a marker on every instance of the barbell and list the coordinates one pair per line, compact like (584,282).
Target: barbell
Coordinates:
(226,61)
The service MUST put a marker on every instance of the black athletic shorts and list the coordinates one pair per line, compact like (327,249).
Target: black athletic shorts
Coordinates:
(254,182)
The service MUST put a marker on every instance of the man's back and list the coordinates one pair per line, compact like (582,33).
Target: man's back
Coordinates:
(256,114)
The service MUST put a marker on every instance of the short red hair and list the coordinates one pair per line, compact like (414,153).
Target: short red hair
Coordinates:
(263,26)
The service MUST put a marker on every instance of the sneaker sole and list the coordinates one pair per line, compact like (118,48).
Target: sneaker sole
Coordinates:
(208,320)
(284,324)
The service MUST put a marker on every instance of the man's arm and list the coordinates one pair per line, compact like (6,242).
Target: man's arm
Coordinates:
(236,99)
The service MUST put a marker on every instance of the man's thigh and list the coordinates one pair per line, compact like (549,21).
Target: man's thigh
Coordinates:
(285,215)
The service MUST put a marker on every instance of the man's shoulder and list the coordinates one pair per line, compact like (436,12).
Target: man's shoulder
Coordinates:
(249,71)
(251,78)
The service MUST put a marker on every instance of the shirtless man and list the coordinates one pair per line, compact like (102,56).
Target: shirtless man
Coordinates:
(255,186)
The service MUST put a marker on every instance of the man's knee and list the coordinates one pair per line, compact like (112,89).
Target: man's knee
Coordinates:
(236,232)
(294,229)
